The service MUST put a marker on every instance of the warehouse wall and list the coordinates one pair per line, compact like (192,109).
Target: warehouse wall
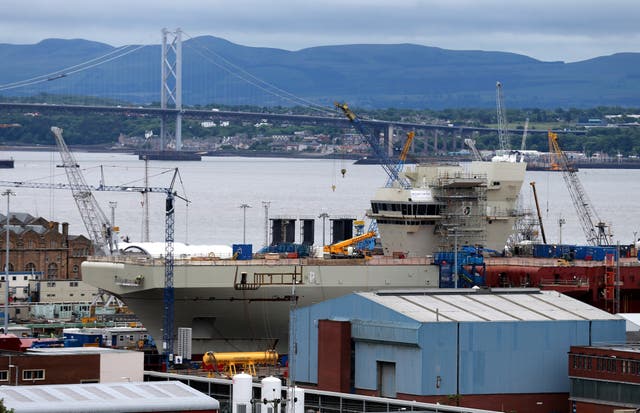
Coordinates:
(353,308)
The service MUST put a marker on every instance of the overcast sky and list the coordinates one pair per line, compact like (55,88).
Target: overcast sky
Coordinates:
(549,30)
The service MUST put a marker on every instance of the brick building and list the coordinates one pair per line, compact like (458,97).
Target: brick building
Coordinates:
(604,378)
(42,247)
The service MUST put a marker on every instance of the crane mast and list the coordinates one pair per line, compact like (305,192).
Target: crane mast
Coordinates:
(94,219)
(593,228)
(503,130)
(385,162)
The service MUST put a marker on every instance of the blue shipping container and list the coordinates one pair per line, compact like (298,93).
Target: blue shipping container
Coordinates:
(243,251)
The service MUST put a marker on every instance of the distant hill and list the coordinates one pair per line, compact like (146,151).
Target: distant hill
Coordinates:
(366,75)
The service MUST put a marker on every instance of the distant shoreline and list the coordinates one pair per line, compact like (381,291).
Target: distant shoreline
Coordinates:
(358,159)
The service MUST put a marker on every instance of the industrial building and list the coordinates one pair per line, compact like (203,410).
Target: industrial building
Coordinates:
(500,349)
(605,378)
(40,366)
(167,396)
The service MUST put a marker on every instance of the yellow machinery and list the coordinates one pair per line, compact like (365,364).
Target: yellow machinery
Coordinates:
(228,362)
(341,249)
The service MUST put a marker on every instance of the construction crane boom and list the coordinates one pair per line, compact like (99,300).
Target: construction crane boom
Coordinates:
(403,157)
(474,150)
(98,226)
(593,228)
(385,162)
(503,130)
(535,197)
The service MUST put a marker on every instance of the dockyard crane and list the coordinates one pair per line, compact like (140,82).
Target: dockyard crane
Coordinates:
(385,162)
(503,129)
(95,220)
(474,150)
(399,166)
(535,197)
(594,229)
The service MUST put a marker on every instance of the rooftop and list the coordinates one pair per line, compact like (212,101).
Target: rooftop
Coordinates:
(497,304)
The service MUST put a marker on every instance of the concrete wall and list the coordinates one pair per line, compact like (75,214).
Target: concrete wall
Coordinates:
(121,366)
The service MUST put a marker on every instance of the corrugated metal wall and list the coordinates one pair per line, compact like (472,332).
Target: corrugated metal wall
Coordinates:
(494,357)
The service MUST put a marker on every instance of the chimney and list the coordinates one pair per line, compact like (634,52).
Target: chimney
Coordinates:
(65,229)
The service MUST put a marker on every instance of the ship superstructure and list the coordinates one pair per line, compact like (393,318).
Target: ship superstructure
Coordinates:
(447,205)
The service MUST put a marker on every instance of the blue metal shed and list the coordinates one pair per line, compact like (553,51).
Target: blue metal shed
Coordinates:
(458,341)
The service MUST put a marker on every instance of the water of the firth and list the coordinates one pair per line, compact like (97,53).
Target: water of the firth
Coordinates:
(296,188)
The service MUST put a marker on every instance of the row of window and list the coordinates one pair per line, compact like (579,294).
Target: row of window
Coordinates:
(607,364)
(52,270)
(407,208)
(31,375)
(31,244)
(405,222)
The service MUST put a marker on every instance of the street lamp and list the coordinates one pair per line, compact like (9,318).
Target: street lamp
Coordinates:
(561,222)
(244,222)
(324,217)
(8,194)
(266,204)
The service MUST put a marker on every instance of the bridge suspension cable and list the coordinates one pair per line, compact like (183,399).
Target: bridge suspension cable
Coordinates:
(267,87)
(89,64)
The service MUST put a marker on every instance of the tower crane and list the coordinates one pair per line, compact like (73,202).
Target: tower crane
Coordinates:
(503,130)
(594,229)
(385,162)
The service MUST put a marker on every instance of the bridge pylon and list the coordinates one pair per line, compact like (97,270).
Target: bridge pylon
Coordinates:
(171,87)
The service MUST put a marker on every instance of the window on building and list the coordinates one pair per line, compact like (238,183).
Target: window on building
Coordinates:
(52,270)
(31,244)
(33,374)
(75,269)
(4,375)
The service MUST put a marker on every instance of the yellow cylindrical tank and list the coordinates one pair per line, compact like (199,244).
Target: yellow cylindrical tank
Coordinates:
(268,356)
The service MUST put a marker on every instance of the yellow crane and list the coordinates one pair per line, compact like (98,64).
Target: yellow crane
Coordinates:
(341,249)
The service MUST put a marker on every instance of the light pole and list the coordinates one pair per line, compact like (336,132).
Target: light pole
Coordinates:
(266,204)
(8,194)
(561,222)
(455,256)
(244,222)
(324,217)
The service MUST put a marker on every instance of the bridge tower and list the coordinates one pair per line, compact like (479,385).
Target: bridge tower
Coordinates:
(171,79)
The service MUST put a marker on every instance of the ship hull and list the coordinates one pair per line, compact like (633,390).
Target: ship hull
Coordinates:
(231,312)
